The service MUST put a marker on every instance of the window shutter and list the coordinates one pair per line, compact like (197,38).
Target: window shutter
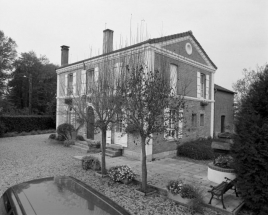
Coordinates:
(66,84)
(83,82)
(74,83)
(198,85)
(173,78)
(96,73)
(180,124)
(166,121)
(207,86)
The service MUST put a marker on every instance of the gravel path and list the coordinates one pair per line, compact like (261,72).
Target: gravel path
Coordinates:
(29,157)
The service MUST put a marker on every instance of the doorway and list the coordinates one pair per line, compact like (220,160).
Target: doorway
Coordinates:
(90,123)
(222,123)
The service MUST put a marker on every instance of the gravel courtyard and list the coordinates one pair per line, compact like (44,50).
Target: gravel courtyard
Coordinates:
(29,157)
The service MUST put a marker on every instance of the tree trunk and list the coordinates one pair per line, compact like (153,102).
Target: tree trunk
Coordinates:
(143,166)
(103,147)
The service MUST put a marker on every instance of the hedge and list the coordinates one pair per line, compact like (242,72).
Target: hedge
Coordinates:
(27,123)
(196,149)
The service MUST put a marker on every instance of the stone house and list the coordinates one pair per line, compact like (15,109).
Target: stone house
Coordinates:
(224,110)
(189,67)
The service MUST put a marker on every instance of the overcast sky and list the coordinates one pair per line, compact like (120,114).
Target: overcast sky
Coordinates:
(234,33)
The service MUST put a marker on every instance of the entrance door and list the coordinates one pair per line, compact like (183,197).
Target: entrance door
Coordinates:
(222,123)
(120,137)
(90,123)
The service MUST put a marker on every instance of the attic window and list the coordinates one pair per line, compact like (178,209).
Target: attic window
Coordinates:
(188,48)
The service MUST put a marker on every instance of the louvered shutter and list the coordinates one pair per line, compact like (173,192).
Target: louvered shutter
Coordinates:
(207,86)
(96,75)
(66,85)
(180,124)
(74,83)
(173,78)
(198,85)
(166,122)
(83,82)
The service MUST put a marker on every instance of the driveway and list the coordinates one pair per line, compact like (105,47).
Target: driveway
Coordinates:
(27,157)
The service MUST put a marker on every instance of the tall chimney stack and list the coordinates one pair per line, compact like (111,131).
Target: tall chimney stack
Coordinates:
(64,55)
(107,41)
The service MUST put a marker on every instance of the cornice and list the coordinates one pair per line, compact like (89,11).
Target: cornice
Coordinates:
(182,59)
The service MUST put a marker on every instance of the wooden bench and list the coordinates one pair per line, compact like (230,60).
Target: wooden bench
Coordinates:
(222,188)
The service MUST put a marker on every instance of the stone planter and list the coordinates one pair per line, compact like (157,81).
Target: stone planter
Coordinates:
(217,174)
(178,198)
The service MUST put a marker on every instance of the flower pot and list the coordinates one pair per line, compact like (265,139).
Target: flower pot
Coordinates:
(178,198)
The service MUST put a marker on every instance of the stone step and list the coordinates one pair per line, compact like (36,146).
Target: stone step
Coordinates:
(112,153)
(82,142)
(114,146)
(81,145)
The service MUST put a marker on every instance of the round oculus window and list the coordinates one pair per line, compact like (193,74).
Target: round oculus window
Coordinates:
(188,48)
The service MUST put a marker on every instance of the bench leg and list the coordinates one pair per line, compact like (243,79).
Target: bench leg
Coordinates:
(211,198)
(222,202)
(235,191)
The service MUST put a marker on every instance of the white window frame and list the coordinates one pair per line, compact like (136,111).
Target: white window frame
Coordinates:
(171,130)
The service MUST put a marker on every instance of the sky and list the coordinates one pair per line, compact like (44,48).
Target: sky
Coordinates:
(234,33)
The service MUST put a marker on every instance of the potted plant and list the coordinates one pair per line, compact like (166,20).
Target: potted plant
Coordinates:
(90,162)
(121,174)
(181,192)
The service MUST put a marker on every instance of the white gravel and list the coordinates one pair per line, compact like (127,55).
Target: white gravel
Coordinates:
(29,157)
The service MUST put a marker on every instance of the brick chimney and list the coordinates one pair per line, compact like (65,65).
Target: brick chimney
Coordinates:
(64,55)
(107,41)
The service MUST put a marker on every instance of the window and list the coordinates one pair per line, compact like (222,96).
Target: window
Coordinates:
(119,125)
(203,85)
(202,119)
(174,122)
(70,84)
(194,120)
(173,78)
(90,80)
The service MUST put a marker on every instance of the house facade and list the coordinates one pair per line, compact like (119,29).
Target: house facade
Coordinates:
(179,56)
(224,110)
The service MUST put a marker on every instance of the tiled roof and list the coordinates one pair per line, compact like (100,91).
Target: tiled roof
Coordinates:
(217,87)
(150,41)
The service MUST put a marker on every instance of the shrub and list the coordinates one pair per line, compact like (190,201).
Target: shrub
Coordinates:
(90,162)
(27,123)
(250,148)
(52,136)
(187,191)
(119,173)
(174,186)
(2,129)
(94,144)
(60,138)
(224,161)
(198,149)
(67,143)
(80,137)
(65,130)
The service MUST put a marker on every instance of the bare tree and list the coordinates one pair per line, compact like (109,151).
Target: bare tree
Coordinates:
(151,105)
(100,89)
